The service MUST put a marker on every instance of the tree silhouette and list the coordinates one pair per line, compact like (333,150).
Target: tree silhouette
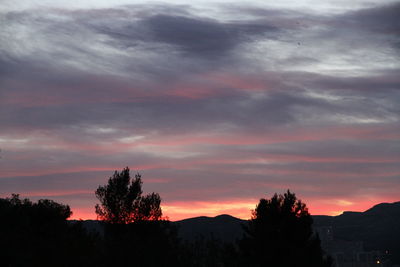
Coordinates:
(38,234)
(134,231)
(121,200)
(280,234)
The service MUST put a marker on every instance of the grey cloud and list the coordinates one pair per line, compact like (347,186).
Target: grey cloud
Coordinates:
(253,181)
(383,81)
(381,19)
(166,115)
(85,100)
(338,147)
(56,182)
(202,37)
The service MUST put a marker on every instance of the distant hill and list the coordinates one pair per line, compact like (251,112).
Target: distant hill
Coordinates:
(378,228)
(223,227)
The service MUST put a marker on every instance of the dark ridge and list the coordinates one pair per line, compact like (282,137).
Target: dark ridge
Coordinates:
(383,208)
(378,228)
(222,227)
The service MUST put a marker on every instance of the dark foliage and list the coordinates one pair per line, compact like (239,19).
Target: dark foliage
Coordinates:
(208,252)
(143,243)
(280,235)
(38,234)
(121,200)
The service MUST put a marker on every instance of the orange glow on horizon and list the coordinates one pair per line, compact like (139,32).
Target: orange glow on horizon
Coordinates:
(242,209)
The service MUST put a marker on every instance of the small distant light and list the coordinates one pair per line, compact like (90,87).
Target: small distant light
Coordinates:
(378,262)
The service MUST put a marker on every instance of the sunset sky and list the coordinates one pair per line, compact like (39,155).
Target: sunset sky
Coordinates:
(216,103)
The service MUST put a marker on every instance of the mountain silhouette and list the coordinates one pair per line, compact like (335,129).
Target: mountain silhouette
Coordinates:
(378,228)
(222,227)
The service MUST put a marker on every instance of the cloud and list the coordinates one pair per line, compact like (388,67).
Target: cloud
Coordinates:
(216,106)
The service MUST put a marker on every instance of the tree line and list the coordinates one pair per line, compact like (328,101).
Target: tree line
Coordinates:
(279,233)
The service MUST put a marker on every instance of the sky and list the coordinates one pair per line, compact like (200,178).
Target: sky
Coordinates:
(216,103)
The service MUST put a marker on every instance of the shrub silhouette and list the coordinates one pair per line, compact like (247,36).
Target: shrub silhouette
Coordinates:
(280,234)
(121,200)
